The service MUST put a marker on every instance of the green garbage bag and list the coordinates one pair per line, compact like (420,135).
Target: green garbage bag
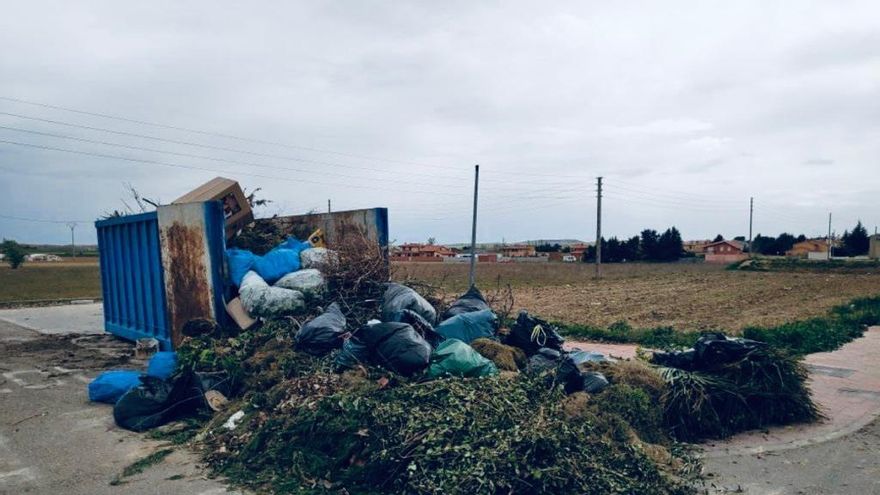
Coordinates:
(455,358)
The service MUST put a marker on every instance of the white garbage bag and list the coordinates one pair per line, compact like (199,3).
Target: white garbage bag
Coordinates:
(309,281)
(262,300)
(316,257)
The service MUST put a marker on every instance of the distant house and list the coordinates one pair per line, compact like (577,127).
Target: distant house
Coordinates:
(422,252)
(724,252)
(518,251)
(42,257)
(579,250)
(695,247)
(814,249)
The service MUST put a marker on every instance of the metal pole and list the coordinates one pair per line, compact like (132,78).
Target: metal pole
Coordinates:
(72,226)
(598,227)
(473,273)
(328,207)
(751,215)
(830,244)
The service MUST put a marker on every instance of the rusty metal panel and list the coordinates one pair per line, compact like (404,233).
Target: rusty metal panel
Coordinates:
(131,278)
(192,242)
(373,222)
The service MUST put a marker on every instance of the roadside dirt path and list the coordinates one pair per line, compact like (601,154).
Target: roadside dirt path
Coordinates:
(54,441)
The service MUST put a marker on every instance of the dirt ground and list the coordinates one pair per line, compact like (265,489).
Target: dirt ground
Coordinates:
(682,295)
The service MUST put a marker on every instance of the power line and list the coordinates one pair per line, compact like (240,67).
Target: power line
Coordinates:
(205,157)
(245,139)
(39,220)
(192,167)
(672,196)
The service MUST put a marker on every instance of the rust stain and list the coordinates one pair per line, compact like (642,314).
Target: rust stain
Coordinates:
(186,283)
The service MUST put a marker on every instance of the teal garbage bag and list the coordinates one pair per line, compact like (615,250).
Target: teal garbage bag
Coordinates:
(468,327)
(455,358)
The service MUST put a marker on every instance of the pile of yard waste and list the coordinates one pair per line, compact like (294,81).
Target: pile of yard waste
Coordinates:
(349,383)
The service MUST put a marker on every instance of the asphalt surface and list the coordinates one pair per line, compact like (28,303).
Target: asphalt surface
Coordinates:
(54,441)
(847,465)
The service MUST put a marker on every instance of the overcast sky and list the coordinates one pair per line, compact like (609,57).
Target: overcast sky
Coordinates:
(686,109)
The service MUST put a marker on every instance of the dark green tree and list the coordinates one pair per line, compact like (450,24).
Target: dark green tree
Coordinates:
(670,245)
(718,238)
(13,252)
(856,243)
(649,246)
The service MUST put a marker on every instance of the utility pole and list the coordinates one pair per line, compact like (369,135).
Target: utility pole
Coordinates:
(830,243)
(328,207)
(473,273)
(72,226)
(751,215)
(598,227)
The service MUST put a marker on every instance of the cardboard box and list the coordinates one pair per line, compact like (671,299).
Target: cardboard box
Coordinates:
(236,209)
(239,315)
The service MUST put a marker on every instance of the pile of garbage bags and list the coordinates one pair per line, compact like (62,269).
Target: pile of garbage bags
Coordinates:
(282,281)
(410,341)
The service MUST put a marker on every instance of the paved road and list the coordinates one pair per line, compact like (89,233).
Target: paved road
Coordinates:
(54,441)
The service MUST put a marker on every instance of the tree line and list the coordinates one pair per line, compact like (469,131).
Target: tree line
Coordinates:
(648,246)
(852,243)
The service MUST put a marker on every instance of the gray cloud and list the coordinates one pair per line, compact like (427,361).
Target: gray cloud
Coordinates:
(687,116)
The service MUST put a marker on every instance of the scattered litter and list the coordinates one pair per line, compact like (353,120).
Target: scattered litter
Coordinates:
(216,400)
(239,315)
(144,348)
(232,422)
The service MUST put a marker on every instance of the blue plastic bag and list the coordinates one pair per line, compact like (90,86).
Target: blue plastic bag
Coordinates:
(109,386)
(468,327)
(162,364)
(295,244)
(276,264)
(240,262)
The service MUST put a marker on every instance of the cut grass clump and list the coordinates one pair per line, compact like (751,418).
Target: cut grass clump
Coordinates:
(505,357)
(766,388)
(141,465)
(491,435)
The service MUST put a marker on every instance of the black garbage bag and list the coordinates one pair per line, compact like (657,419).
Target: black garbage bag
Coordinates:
(469,302)
(574,380)
(397,346)
(156,402)
(685,360)
(710,351)
(399,297)
(354,353)
(421,325)
(713,349)
(531,334)
(543,360)
(323,333)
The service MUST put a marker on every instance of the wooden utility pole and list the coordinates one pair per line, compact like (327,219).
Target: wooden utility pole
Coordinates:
(598,227)
(473,272)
